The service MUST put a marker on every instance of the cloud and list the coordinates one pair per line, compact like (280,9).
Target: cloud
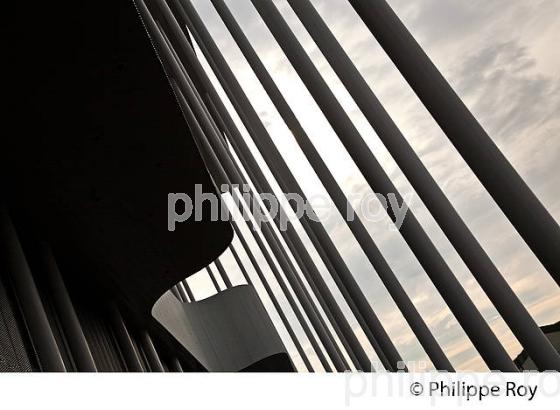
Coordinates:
(501,58)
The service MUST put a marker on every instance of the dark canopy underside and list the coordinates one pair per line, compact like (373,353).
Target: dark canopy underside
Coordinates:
(95,145)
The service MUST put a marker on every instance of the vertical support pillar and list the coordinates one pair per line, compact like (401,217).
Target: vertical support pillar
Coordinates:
(151,353)
(126,344)
(76,339)
(188,290)
(176,365)
(213,279)
(175,292)
(182,291)
(240,264)
(223,273)
(14,262)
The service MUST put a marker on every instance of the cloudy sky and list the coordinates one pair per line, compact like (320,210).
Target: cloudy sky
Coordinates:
(502,58)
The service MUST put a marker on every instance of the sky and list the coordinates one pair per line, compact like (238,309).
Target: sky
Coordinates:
(502,58)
